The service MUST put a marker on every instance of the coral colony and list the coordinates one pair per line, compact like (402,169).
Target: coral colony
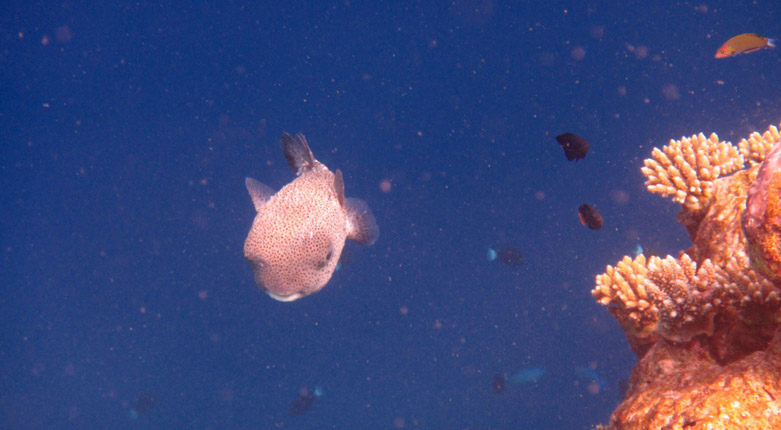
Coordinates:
(705,325)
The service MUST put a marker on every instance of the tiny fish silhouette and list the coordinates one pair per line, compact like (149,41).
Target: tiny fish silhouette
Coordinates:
(575,147)
(299,232)
(510,256)
(302,403)
(590,216)
(498,383)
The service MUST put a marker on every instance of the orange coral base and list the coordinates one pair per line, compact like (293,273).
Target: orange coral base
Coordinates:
(769,251)
(679,386)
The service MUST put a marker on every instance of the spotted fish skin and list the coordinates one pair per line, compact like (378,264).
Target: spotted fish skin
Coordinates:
(298,233)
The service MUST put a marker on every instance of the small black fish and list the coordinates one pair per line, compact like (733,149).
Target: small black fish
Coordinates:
(302,403)
(498,384)
(575,147)
(145,402)
(512,257)
(590,216)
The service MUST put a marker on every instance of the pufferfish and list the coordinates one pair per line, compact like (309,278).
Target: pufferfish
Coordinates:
(298,233)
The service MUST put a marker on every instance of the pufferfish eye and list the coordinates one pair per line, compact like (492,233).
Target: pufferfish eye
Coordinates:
(322,263)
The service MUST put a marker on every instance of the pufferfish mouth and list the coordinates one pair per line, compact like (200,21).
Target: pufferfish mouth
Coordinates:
(288,298)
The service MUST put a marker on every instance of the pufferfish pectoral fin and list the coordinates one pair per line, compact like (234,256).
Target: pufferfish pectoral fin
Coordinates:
(297,153)
(260,193)
(361,226)
(339,187)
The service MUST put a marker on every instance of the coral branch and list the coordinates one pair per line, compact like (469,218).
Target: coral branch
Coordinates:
(686,168)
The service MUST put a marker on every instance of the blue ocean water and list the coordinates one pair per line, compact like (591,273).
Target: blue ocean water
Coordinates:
(128,129)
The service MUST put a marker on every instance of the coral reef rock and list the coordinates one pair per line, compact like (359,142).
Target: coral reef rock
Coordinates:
(706,325)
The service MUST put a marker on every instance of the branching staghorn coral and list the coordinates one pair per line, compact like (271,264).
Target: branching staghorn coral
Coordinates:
(706,325)
(686,168)
(715,280)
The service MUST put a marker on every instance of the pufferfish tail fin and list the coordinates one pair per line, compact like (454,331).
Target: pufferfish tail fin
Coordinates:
(297,153)
(259,193)
(361,226)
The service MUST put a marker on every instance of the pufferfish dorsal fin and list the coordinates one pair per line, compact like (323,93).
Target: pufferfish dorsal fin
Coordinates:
(259,193)
(297,153)
(339,186)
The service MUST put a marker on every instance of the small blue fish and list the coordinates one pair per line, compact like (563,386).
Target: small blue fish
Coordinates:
(590,375)
(506,255)
(527,375)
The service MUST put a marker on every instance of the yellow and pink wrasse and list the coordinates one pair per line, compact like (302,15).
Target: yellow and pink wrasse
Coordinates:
(743,44)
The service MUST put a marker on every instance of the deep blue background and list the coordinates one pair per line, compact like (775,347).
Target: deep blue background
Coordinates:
(128,129)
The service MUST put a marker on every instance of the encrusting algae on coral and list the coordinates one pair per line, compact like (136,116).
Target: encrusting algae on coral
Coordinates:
(705,325)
